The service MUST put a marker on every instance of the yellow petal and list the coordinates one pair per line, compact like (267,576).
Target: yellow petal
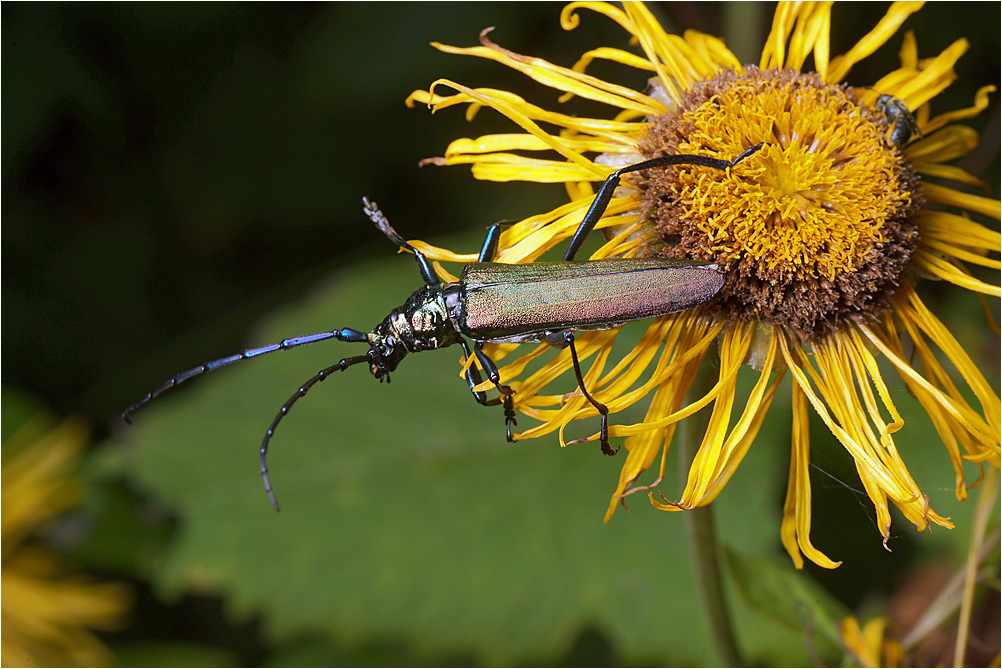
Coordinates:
(973,423)
(795,530)
(613,129)
(524,142)
(883,31)
(746,429)
(811,29)
(774,52)
(959,230)
(941,269)
(677,63)
(952,173)
(945,195)
(559,78)
(934,77)
(980,104)
(947,144)
(569,19)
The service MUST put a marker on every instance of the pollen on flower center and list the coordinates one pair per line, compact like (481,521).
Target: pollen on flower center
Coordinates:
(815,227)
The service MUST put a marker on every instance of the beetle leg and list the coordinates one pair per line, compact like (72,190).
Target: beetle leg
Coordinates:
(473,377)
(376,216)
(490,247)
(602,409)
(601,201)
(495,378)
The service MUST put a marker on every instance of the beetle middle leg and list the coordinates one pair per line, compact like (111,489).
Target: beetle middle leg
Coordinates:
(603,410)
(487,252)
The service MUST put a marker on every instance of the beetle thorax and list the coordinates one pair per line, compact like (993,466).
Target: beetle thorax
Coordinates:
(420,324)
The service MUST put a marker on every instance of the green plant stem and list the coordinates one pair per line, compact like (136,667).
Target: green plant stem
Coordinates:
(982,516)
(701,530)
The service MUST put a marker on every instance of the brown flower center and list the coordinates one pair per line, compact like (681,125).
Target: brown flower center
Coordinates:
(813,229)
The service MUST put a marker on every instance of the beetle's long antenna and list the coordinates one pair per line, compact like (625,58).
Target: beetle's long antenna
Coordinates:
(342,365)
(345,334)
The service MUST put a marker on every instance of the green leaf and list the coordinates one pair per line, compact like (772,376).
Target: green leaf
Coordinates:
(788,596)
(172,655)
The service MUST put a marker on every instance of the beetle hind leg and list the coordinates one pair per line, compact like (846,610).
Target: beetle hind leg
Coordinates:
(603,411)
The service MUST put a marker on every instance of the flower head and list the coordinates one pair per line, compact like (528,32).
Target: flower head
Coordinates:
(49,609)
(822,234)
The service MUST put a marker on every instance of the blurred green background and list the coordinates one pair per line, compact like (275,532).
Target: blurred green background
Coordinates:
(181,182)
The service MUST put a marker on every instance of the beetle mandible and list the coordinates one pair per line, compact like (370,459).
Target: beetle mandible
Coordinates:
(496,302)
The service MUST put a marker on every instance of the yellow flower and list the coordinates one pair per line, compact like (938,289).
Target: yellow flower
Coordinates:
(869,645)
(48,607)
(823,235)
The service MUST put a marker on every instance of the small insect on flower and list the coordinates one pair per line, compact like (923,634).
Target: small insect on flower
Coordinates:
(497,302)
(901,124)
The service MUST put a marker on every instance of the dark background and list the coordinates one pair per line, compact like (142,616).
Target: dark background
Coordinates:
(173,172)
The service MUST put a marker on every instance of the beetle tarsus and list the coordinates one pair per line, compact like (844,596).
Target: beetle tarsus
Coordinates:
(509,416)
(495,377)
(473,379)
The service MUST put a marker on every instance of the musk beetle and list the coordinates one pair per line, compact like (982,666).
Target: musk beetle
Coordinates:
(496,302)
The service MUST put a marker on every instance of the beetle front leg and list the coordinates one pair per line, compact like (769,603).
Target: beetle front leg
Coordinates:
(473,379)
(603,410)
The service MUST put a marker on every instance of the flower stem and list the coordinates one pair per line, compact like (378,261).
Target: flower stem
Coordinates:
(701,530)
(982,515)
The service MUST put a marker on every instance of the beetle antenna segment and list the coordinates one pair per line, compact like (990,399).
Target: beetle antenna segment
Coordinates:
(342,365)
(345,334)
(601,201)
(376,216)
